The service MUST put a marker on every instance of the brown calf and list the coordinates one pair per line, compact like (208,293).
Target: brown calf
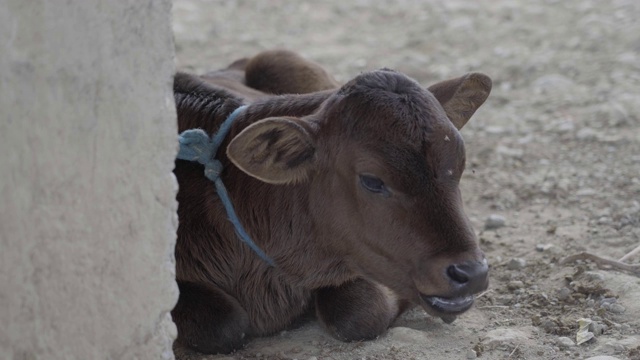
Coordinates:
(352,191)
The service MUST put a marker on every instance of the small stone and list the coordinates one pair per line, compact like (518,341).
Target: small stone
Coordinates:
(608,301)
(597,328)
(519,292)
(564,293)
(614,346)
(602,357)
(552,82)
(509,152)
(593,276)
(515,284)
(494,221)
(516,264)
(312,358)
(587,134)
(543,247)
(565,342)
(471,354)
(586,192)
(496,130)
(617,308)
(565,126)
(548,325)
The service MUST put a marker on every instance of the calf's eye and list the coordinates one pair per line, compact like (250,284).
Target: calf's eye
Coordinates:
(373,184)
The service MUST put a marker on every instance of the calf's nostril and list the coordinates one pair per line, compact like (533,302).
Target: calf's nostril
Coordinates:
(457,274)
(469,277)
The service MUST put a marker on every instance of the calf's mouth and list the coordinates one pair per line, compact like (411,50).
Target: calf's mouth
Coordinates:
(466,279)
(447,308)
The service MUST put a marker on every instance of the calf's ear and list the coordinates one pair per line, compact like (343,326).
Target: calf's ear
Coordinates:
(274,150)
(461,97)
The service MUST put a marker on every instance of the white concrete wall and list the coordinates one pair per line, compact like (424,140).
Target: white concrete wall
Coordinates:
(87,198)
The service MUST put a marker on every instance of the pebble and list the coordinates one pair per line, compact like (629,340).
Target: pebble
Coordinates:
(548,248)
(548,325)
(509,152)
(586,192)
(587,134)
(565,342)
(312,358)
(516,264)
(602,357)
(564,293)
(597,328)
(515,284)
(608,301)
(593,276)
(553,85)
(625,328)
(614,346)
(471,354)
(494,221)
(617,308)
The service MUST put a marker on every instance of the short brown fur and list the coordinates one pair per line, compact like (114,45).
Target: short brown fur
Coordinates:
(299,171)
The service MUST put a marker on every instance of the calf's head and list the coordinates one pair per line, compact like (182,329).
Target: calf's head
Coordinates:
(382,160)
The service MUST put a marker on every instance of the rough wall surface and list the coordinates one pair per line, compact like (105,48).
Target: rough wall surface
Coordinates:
(87,198)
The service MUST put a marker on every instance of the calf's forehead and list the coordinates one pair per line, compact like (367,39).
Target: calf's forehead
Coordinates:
(386,106)
(402,124)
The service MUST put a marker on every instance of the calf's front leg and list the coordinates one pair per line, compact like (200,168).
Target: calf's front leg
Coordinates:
(209,320)
(357,310)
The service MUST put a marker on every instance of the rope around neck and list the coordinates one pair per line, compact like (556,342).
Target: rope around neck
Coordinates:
(196,145)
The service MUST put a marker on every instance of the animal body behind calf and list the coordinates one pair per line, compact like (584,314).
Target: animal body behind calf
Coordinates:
(317,185)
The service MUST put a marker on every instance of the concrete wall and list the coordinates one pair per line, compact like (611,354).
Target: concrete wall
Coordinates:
(87,198)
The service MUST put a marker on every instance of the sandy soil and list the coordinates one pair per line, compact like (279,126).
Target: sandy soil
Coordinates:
(555,151)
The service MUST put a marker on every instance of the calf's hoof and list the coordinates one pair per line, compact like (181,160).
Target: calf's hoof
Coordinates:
(209,320)
(357,310)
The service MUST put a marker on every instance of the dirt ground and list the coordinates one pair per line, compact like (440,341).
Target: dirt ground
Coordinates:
(555,151)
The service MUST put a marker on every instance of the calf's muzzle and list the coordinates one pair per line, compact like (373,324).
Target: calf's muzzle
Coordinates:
(465,280)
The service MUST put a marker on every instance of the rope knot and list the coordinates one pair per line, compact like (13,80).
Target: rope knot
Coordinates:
(196,145)
(213,169)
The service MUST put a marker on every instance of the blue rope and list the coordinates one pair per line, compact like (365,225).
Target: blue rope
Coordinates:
(196,145)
